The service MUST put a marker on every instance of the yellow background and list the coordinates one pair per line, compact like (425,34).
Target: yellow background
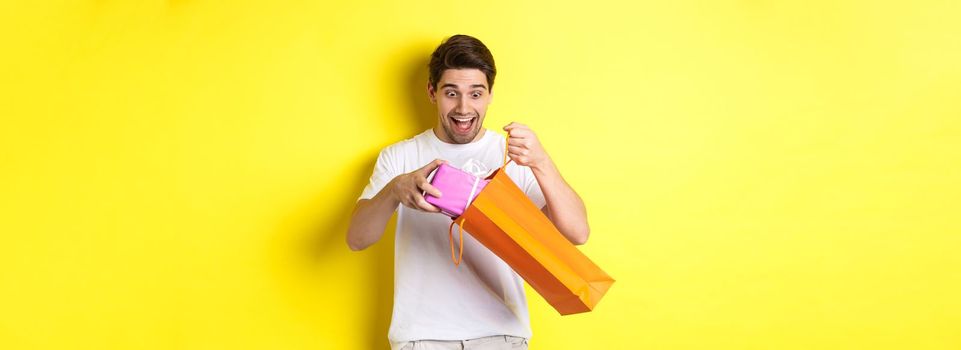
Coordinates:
(758,174)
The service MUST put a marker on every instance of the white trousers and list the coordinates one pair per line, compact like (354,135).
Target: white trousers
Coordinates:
(496,342)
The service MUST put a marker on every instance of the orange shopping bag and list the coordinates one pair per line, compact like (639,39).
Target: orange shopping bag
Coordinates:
(504,220)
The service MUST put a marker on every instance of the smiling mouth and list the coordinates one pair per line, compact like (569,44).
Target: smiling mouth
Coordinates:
(463,125)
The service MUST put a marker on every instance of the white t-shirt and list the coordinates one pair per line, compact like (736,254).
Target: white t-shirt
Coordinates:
(433,299)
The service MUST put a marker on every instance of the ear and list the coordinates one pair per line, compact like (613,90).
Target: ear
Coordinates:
(430,93)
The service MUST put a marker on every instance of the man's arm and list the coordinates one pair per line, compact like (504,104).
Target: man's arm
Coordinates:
(369,219)
(370,216)
(564,207)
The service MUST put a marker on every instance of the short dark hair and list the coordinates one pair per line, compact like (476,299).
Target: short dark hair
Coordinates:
(461,52)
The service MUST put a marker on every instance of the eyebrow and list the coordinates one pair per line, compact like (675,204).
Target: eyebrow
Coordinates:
(472,86)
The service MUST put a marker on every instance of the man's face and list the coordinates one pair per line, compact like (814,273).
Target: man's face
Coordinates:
(462,96)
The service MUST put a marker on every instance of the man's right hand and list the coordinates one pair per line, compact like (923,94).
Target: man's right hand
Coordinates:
(407,188)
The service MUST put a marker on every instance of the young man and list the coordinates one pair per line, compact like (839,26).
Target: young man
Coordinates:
(481,303)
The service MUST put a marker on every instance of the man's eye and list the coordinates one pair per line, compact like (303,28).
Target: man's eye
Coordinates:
(476,95)
(451,94)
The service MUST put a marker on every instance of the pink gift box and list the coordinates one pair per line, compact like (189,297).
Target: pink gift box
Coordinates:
(457,187)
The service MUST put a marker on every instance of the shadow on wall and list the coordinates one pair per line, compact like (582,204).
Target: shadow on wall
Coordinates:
(328,240)
(308,254)
(423,114)
(320,248)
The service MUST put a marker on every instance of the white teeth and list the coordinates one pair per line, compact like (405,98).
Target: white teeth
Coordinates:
(463,120)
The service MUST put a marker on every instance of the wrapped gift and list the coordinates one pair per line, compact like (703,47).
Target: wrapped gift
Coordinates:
(458,188)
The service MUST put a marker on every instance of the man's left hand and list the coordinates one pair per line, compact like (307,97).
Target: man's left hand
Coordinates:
(524,147)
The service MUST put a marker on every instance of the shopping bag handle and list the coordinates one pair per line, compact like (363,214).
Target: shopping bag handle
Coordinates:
(506,147)
(450,236)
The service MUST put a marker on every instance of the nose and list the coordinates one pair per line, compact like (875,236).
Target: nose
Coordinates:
(462,107)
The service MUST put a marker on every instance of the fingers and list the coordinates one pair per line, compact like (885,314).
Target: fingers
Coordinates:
(517,150)
(519,158)
(421,180)
(514,125)
(518,130)
(414,200)
(431,190)
(423,205)
(411,185)
(520,142)
(430,167)
(523,146)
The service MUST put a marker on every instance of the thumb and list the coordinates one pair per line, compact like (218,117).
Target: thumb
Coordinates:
(430,167)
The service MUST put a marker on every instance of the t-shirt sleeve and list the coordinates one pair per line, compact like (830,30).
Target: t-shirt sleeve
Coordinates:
(531,188)
(385,170)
